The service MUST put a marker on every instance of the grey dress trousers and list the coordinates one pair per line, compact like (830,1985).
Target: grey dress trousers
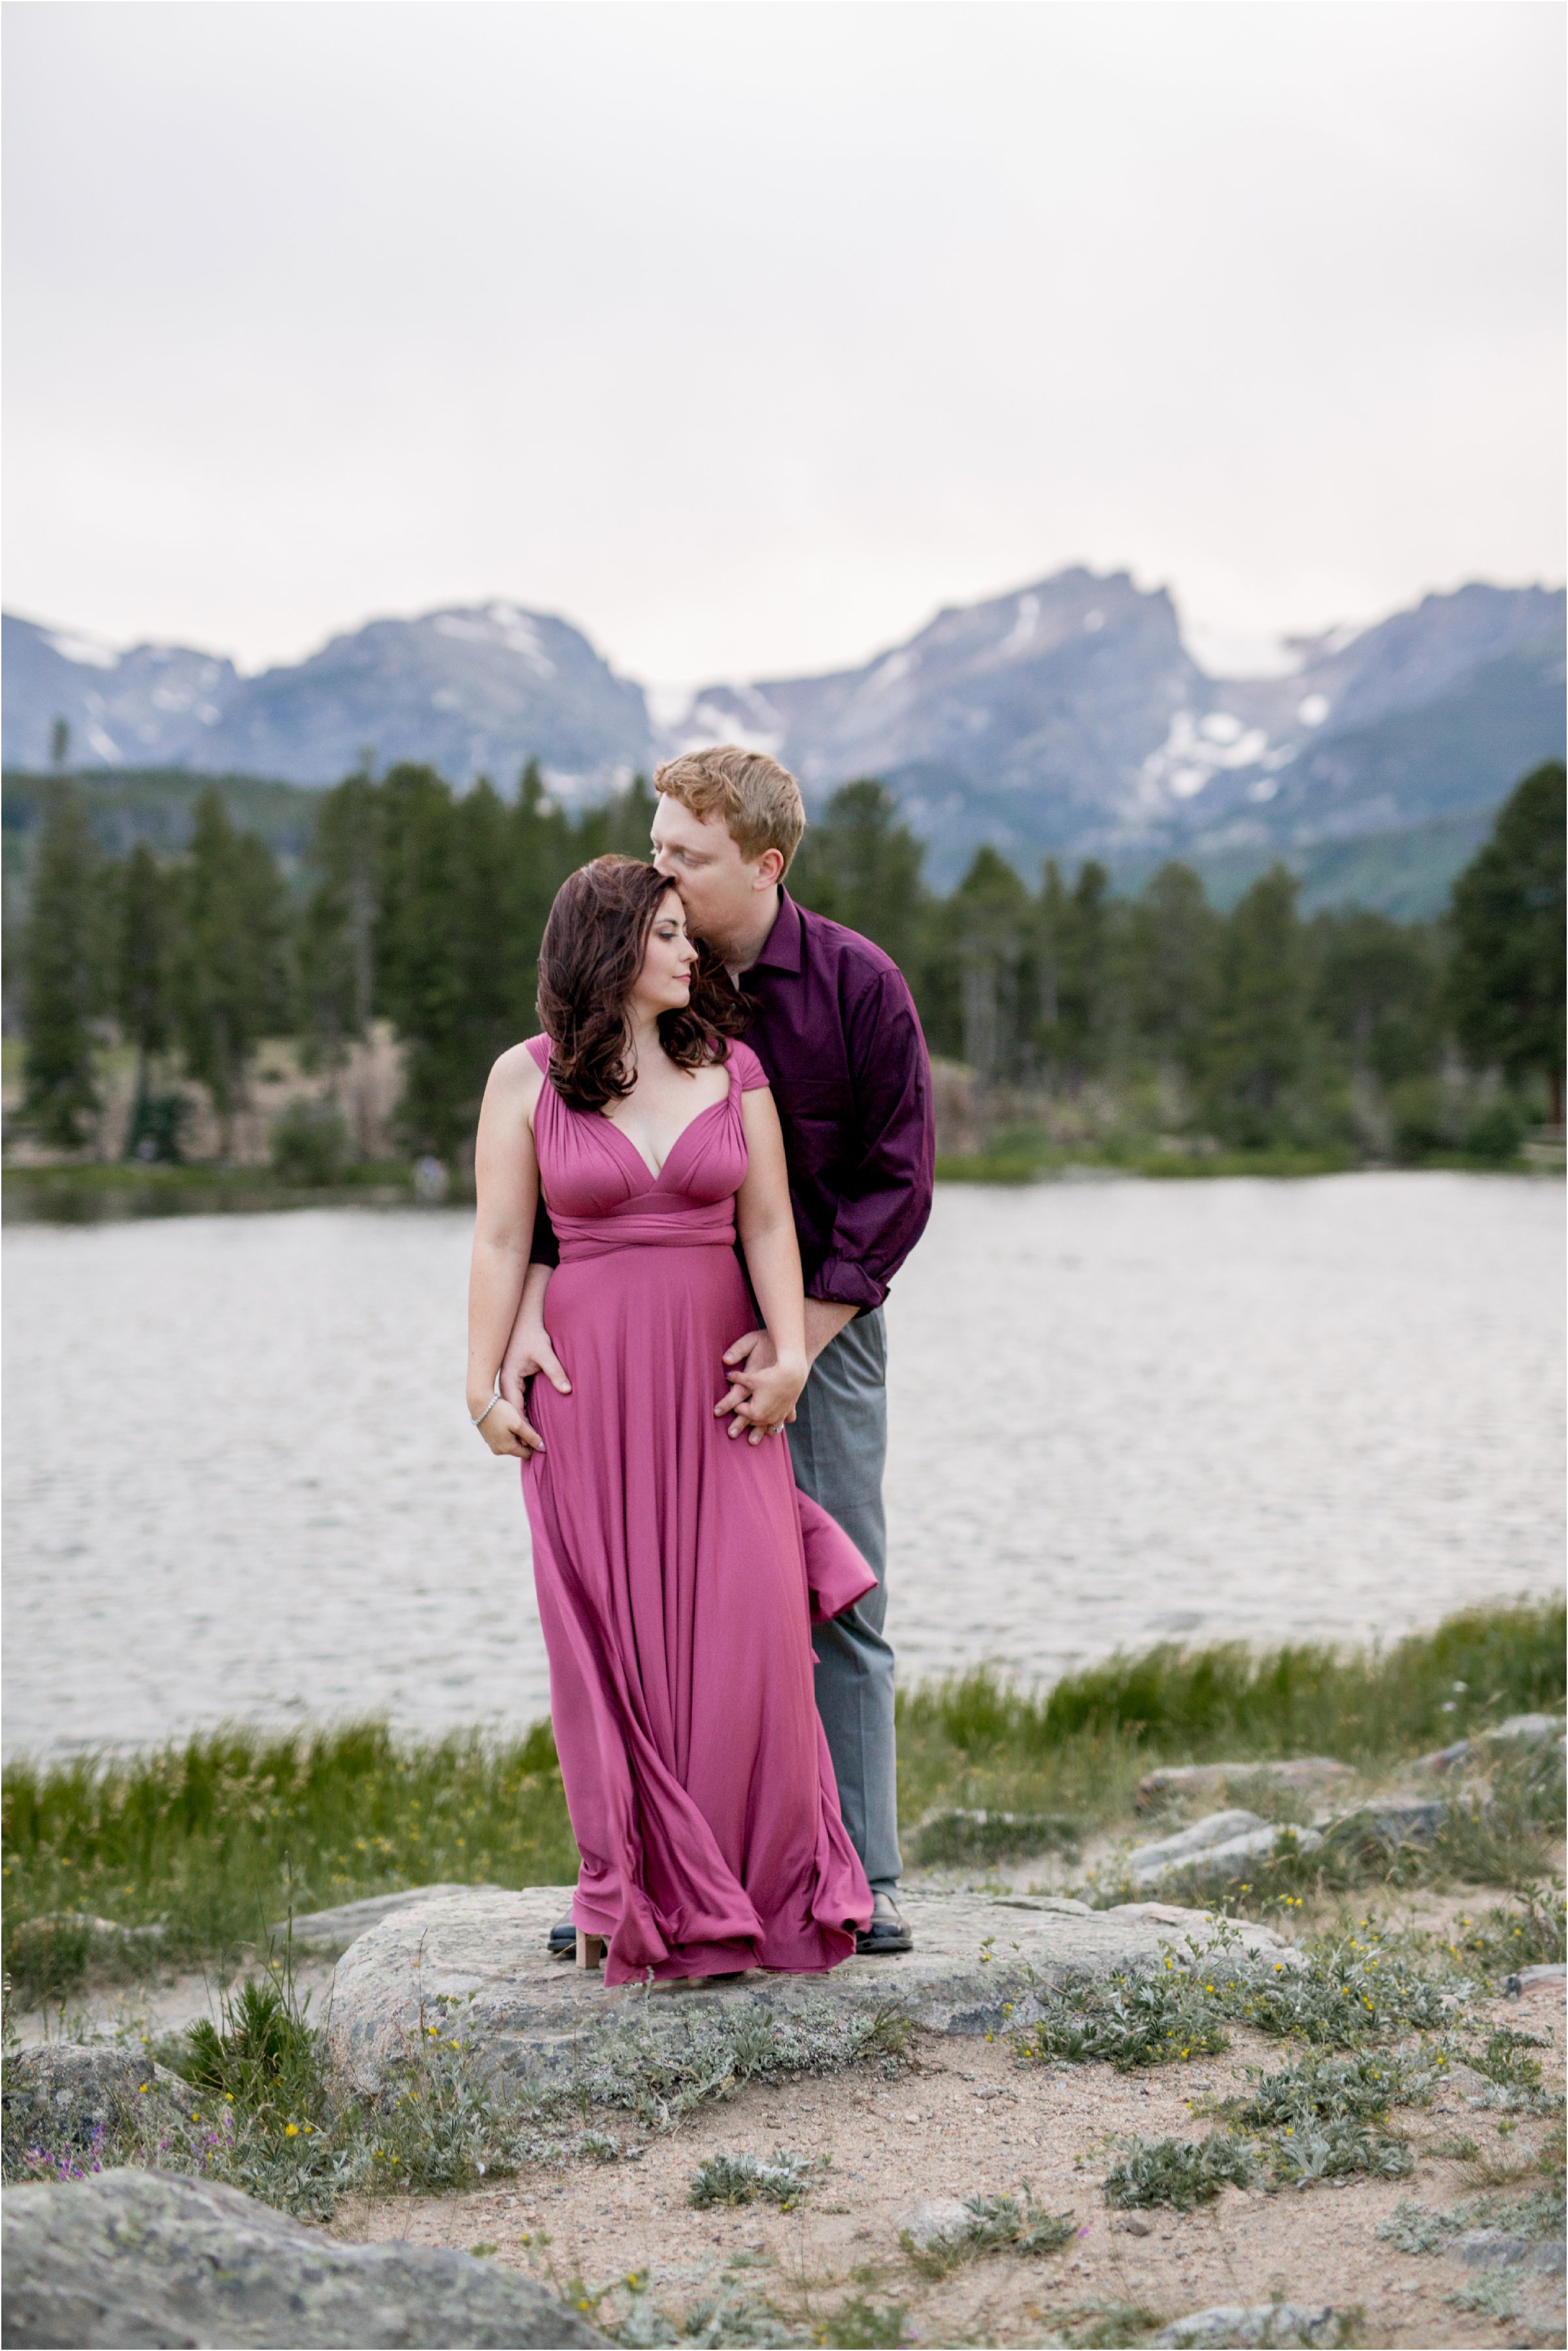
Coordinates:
(838,1444)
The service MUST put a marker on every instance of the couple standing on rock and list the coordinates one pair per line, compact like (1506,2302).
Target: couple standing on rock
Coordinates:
(690,1569)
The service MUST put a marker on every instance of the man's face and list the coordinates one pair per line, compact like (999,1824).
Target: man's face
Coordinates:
(718,888)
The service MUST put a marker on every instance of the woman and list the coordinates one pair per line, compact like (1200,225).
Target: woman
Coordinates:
(676,1569)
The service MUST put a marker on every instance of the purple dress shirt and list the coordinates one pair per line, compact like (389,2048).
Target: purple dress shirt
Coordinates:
(835,1028)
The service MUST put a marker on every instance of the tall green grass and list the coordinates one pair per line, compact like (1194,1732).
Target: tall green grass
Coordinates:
(213,1840)
(1081,1745)
(210,1841)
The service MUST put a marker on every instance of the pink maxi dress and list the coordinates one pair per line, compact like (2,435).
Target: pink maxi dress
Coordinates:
(678,1571)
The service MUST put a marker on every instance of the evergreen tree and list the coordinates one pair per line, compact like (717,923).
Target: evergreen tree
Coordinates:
(1375,990)
(230,986)
(143,960)
(1172,953)
(335,941)
(488,967)
(1505,981)
(545,847)
(989,923)
(60,977)
(1084,1012)
(419,973)
(1259,1047)
(860,865)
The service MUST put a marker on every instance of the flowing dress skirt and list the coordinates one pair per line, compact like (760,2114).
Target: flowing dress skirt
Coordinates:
(678,1570)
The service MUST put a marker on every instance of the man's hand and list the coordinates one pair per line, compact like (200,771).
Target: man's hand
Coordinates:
(825,1318)
(529,1351)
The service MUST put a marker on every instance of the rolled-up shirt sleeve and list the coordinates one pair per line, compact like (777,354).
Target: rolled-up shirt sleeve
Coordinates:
(884,1201)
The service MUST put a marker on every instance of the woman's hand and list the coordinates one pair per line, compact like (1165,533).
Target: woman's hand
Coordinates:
(504,1430)
(530,1353)
(764,1387)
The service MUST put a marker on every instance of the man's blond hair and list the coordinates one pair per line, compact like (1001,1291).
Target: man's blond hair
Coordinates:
(759,800)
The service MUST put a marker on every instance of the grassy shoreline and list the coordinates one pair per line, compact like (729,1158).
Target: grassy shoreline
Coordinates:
(210,1841)
(108,1192)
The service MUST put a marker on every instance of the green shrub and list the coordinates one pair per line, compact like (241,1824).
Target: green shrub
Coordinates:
(1178,2172)
(309,1144)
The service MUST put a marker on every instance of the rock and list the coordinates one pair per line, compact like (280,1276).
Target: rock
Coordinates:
(1442,1759)
(81,2104)
(940,2221)
(350,1920)
(1216,1847)
(1487,2249)
(476,1965)
(1063,1903)
(147,2258)
(1391,1821)
(1133,2225)
(1270,2322)
(1545,1972)
(1307,1774)
(954,1835)
(1522,1730)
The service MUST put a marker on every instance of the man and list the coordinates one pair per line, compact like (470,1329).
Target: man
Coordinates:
(835,1028)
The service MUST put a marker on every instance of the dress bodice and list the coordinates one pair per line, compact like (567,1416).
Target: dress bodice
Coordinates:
(602,1193)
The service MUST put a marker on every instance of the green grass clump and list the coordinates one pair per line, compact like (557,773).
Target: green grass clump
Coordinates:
(1127,2021)
(1338,1993)
(981,1742)
(1334,2089)
(213,1840)
(996,2223)
(780,2178)
(1178,2172)
(1311,2154)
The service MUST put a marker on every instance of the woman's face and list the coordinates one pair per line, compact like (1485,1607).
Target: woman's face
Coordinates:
(664,982)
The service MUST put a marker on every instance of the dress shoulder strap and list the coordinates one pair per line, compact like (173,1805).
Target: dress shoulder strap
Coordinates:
(539,1047)
(745,1067)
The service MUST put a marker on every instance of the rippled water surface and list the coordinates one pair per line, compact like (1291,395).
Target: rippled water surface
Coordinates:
(241,1479)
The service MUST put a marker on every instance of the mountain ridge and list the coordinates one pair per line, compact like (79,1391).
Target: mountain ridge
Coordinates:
(1066,717)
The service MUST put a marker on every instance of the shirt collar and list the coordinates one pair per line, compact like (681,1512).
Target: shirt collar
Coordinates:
(781,950)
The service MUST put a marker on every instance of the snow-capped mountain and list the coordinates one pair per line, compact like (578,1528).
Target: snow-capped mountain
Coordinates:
(1069,717)
(152,707)
(473,690)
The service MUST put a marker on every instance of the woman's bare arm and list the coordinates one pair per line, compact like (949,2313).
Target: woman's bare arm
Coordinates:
(506,1183)
(766,1224)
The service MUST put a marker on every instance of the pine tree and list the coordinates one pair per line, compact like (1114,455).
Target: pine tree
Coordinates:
(1172,951)
(860,865)
(1258,1046)
(1376,991)
(60,977)
(334,955)
(230,974)
(989,919)
(1505,982)
(144,959)
(419,976)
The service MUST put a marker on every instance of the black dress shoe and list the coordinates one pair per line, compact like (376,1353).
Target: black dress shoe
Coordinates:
(562,1940)
(887,1932)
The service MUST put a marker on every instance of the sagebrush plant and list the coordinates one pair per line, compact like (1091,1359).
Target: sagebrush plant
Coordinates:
(780,2178)
(1178,2172)
(1338,1992)
(996,2223)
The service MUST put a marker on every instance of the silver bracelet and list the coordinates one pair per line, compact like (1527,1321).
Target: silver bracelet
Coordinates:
(476,1417)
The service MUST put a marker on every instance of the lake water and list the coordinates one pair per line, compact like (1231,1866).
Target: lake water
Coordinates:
(242,1483)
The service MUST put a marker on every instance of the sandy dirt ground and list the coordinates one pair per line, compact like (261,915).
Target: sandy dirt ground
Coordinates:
(965,2119)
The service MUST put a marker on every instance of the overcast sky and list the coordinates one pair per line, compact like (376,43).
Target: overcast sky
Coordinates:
(745,335)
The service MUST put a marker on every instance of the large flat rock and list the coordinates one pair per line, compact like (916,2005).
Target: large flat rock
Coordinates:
(143,2257)
(473,1964)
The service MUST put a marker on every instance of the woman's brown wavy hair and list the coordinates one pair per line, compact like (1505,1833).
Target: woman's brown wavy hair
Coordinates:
(591,952)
